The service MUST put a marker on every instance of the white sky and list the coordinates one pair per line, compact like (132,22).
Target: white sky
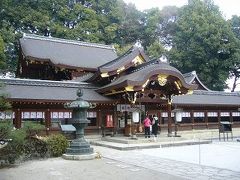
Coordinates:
(227,7)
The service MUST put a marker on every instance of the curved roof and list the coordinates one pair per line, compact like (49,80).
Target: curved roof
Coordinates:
(124,59)
(191,77)
(140,75)
(66,52)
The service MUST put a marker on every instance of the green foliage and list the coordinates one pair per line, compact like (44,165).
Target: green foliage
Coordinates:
(122,49)
(57,144)
(35,148)
(155,50)
(196,32)
(5,128)
(4,104)
(94,21)
(32,128)
(18,139)
(21,146)
(150,30)
(2,55)
(235,69)
(15,148)
(203,42)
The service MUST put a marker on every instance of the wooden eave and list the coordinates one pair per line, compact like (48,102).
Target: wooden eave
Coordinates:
(127,64)
(208,105)
(123,61)
(48,61)
(136,84)
(46,101)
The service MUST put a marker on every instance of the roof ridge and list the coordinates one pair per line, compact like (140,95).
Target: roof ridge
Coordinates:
(67,41)
(37,82)
(129,51)
(143,65)
(151,62)
(221,93)
(192,73)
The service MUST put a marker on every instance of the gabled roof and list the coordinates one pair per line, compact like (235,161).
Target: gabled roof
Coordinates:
(133,57)
(192,78)
(62,52)
(44,90)
(123,60)
(144,71)
(210,98)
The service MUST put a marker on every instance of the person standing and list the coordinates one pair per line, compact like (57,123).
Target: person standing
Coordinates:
(155,125)
(147,124)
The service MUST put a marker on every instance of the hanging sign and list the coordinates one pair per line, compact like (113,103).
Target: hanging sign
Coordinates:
(135,116)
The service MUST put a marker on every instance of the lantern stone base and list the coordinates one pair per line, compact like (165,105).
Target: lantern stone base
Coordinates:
(78,147)
(79,150)
(79,157)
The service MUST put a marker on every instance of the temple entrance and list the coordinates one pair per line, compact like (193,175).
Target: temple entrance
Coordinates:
(153,85)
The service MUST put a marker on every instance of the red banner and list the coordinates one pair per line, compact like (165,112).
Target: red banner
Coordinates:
(109,121)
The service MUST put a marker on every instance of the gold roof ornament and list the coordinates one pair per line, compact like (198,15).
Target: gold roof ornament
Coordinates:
(120,69)
(145,84)
(137,60)
(178,84)
(105,75)
(190,91)
(129,88)
(162,79)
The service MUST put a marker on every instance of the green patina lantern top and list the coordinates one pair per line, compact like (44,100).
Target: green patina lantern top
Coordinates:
(79,102)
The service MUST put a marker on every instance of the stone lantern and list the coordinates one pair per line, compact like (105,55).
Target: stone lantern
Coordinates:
(79,148)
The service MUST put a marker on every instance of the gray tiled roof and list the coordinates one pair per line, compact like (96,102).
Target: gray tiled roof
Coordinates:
(201,98)
(147,69)
(124,59)
(66,52)
(191,77)
(27,89)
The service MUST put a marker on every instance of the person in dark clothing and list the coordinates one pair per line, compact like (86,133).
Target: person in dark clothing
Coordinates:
(155,124)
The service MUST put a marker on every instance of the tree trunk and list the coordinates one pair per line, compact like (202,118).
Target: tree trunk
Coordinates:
(234,84)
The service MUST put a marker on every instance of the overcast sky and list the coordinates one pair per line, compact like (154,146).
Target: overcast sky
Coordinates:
(227,7)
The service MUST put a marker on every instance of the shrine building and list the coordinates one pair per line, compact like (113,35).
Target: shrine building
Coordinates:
(121,89)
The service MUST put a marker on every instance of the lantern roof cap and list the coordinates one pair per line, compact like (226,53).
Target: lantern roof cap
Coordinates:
(79,102)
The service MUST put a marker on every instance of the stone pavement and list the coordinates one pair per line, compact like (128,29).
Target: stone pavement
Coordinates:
(185,138)
(132,164)
(97,169)
(162,165)
(118,165)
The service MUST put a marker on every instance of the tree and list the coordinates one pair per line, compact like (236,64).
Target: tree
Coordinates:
(107,22)
(203,42)
(150,27)
(2,55)
(167,25)
(155,50)
(130,26)
(235,70)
